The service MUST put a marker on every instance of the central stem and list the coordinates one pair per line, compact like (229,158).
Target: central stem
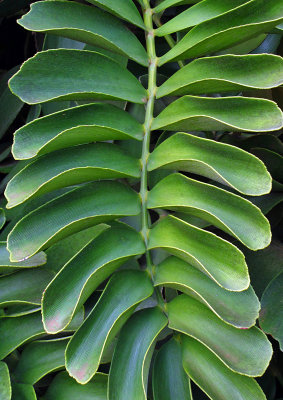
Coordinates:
(150,45)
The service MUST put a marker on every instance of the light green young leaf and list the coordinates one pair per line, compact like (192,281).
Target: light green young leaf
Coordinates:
(169,380)
(213,377)
(88,205)
(85,24)
(239,309)
(125,290)
(221,162)
(65,74)
(78,125)
(73,166)
(219,259)
(225,73)
(129,369)
(225,210)
(85,272)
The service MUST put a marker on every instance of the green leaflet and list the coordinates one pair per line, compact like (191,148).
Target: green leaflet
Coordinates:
(169,3)
(225,73)
(169,379)
(219,259)
(125,290)
(203,11)
(63,387)
(65,74)
(229,212)
(86,24)
(88,205)
(24,328)
(2,218)
(40,358)
(224,163)
(220,114)
(271,312)
(23,392)
(274,163)
(134,351)
(6,266)
(213,377)
(239,309)
(232,345)
(227,30)
(123,8)
(73,166)
(5,383)
(85,272)
(78,125)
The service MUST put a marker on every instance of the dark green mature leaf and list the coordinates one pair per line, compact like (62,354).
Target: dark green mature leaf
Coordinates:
(84,273)
(125,290)
(2,218)
(88,205)
(219,259)
(224,163)
(203,11)
(133,353)
(86,24)
(169,379)
(274,163)
(23,392)
(26,327)
(229,212)
(10,105)
(230,344)
(78,125)
(220,114)
(225,73)
(213,377)
(40,358)
(228,29)
(73,166)
(239,309)
(122,8)
(5,383)
(7,266)
(65,74)
(65,388)
(271,314)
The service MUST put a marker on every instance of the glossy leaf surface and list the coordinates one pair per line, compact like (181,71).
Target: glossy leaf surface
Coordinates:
(7,266)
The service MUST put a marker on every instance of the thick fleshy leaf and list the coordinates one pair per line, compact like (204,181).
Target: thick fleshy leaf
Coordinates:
(232,345)
(73,166)
(39,358)
(239,309)
(169,379)
(24,287)
(22,391)
(65,74)
(2,218)
(225,210)
(78,125)
(122,8)
(26,327)
(5,383)
(88,205)
(134,351)
(225,73)
(63,387)
(220,114)
(10,105)
(203,11)
(86,24)
(213,377)
(124,292)
(7,266)
(219,259)
(274,163)
(271,314)
(85,272)
(227,30)
(221,162)
(169,3)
